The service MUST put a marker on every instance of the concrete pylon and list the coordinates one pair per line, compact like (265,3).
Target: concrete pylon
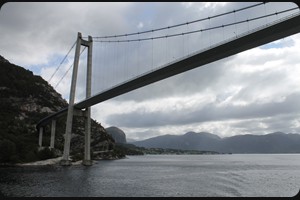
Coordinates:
(65,160)
(87,147)
(87,113)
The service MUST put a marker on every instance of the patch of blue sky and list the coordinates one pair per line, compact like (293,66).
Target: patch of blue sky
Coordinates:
(54,61)
(273,45)
(285,42)
(36,69)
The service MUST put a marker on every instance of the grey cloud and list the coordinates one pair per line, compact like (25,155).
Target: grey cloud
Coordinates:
(50,27)
(188,83)
(260,82)
(210,112)
(281,123)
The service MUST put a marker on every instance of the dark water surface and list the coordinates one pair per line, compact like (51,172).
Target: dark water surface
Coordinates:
(246,175)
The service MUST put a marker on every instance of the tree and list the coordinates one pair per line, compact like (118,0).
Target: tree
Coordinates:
(8,151)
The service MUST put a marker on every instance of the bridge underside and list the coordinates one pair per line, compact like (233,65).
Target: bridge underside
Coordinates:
(269,34)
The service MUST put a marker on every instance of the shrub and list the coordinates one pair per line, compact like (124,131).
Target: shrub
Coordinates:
(30,156)
(46,153)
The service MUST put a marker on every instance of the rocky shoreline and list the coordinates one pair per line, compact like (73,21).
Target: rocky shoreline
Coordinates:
(52,161)
(56,161)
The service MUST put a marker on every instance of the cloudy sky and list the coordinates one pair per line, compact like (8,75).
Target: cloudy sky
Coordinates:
(254,92)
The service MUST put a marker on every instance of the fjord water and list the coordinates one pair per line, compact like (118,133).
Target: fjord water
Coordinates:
(235,175)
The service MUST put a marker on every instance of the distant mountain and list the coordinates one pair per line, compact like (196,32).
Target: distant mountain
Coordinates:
(25,99)
(277,142)
(188,141)
(117,134)
(270,143)
(130,140)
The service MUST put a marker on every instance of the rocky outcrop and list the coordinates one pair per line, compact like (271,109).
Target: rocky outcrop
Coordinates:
(117,134)
(3,60)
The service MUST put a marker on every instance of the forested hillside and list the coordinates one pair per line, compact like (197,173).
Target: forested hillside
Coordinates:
(25,99)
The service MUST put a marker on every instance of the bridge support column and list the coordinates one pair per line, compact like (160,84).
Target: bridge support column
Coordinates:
(53,126)
(87,153)
(65,160)
(41,136)
(87,147)
(87,139)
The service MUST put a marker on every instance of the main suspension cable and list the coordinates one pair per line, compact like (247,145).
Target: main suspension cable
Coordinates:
(201,30)
(181,24)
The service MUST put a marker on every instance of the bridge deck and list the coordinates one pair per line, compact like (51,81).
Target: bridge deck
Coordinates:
(254,39)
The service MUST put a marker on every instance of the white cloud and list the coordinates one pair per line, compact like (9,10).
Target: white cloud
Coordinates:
(140,25)
(214,4)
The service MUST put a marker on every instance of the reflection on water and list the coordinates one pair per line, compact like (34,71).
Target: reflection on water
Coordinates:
(249,175)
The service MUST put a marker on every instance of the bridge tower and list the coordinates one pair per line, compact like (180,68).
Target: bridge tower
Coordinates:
(73,111)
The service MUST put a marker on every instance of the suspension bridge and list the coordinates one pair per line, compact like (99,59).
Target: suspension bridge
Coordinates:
(133,60)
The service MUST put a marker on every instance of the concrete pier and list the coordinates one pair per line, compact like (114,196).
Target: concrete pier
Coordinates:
(41,136)
(53,126)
